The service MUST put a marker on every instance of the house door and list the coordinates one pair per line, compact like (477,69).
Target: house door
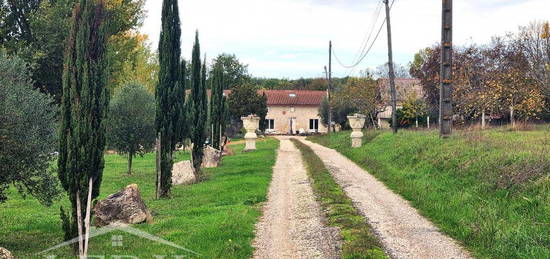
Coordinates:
(292,126)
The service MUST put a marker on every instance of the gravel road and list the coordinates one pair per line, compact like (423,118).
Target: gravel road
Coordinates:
(292,223)
(403,232)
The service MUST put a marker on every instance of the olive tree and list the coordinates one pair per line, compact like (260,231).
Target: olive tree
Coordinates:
(27,134)
(131,123)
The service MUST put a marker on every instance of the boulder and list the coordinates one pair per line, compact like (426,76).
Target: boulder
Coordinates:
(183,173)
(123,207)
(212,157)
(5,254)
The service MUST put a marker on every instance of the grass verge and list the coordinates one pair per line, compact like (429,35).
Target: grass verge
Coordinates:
(215,218)
(359,241)
(488,189)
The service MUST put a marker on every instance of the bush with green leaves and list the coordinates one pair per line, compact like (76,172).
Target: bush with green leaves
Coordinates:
(27,134)
(131,122)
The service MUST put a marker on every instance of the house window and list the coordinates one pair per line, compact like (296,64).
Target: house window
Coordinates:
(314,125)
(270,124)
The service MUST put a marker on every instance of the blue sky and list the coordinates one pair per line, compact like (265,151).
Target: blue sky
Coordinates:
(289,38)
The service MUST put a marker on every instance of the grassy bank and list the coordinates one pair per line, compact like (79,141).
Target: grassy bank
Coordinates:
(214,218)
(359,241)
(490,190)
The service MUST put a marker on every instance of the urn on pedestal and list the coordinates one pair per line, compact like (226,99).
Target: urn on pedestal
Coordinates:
(251,123)
(357,122)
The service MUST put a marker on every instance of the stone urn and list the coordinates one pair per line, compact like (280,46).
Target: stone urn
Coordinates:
(251,123)
(357,122)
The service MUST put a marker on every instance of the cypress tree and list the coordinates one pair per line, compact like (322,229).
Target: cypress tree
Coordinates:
(216,105)
(199,104)
(84,104)
(169,93)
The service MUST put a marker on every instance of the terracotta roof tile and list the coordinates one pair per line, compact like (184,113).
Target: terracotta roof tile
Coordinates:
(293,97)
(286,97)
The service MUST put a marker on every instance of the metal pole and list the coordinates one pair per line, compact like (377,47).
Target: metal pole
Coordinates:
(446,89)
(391,71)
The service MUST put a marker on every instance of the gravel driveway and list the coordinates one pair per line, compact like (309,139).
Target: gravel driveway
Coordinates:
(292,225)
(401,229)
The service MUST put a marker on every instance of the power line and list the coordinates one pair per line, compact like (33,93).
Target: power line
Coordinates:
(363,53)
(368,34)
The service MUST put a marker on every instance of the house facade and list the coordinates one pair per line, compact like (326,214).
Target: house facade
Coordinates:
(294,111)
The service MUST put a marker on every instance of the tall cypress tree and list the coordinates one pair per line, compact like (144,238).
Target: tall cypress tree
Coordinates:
(199,104)
(169,93)
(216,105)
(84,104)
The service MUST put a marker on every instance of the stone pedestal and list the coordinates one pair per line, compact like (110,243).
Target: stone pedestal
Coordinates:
(251,123)
(357,122)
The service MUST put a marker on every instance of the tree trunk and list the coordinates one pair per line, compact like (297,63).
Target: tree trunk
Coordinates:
(428,121)
(79,224)
(512,120)
(130,157)
(87,219)
(483,119)
(417,122)
(158,166)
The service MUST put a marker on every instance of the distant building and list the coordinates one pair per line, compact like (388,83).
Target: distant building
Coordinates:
(405,87)
(291,111)
(294,111)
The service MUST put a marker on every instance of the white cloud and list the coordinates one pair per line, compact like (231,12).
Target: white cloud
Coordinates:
(289,38)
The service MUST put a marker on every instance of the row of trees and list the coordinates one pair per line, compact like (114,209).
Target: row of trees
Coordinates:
(507,78)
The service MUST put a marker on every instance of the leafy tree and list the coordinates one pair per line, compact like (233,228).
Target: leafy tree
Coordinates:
(199,104)
(169,93)
(84,105)
(44,27)
(235,73)
(27,133)
(414,109)
(357,95)
(245,100)
(509,76)
(131,123)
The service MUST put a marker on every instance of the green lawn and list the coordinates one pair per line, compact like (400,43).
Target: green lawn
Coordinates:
(214,218)
(490,190)
(358,240)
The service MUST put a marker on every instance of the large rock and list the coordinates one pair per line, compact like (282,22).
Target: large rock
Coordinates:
(5,254)
(212,157)
(123,207)
(183,173)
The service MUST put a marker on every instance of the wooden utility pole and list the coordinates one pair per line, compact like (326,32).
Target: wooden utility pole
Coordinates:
(391,71)
(328,99)
(329,85)
(446,89)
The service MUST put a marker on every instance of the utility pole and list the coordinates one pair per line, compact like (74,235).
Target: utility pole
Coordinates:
(329,85)
(329,106)
(446,89)
(392,72)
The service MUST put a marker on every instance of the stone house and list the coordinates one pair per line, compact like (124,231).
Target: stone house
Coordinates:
(291,111)
(294,111)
